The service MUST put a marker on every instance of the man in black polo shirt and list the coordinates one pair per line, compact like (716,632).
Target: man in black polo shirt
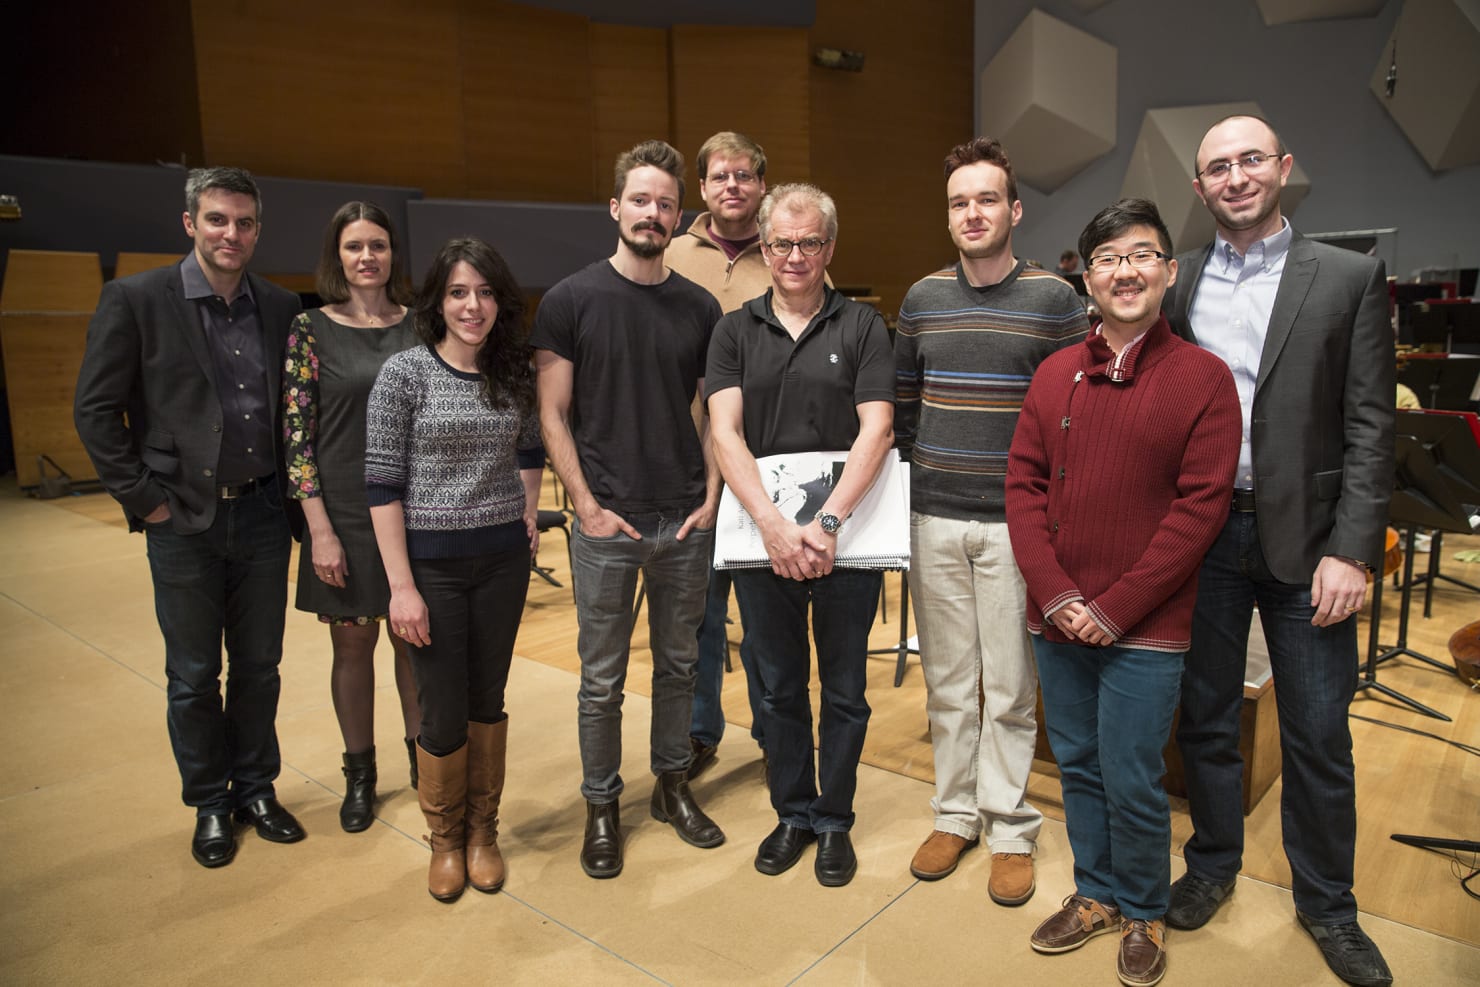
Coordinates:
(802,369)
(178,407)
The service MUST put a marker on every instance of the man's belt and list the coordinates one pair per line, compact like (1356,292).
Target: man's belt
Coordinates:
(1243,501)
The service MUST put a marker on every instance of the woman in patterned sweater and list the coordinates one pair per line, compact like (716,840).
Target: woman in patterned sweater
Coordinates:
(453,463)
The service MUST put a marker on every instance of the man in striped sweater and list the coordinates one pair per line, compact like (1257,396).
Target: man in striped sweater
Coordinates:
(970,337)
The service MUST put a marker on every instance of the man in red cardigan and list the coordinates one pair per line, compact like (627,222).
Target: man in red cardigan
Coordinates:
(1117,484)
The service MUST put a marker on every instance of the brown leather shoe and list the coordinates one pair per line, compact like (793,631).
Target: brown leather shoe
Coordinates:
(1012,878)
(939,855)
(1079,921)
(1143,952)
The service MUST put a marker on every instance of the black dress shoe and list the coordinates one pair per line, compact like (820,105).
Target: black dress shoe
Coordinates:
(782,849)
(214,843)
(702,756)
(272,822)
(1349,953)
(836,863)
(601,849)
(1194,900)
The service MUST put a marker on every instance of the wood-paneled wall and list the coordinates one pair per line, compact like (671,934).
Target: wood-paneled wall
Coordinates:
(880,136)
(502,100)
(753,80)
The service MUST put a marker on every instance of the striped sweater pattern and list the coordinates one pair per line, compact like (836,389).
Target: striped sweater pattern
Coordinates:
(964,357)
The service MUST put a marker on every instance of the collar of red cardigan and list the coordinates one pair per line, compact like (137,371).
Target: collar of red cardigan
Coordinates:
(1101,361)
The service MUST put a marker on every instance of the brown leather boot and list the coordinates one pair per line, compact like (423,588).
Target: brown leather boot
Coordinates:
(443,790)
(487,745)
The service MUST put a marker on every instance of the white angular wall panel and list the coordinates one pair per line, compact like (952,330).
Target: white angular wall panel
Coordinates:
(1292,11)
(1437,100)
(1049,96)
(1161,169)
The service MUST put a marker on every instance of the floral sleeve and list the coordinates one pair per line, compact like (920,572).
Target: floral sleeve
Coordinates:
(301,410)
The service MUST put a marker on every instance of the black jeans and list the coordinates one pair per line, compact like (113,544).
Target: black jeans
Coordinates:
(474,606)
(774,611)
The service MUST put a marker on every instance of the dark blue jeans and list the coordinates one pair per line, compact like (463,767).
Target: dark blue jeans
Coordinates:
(228,582)
(1108,712)
(708,725)
(774,611)
(1315,676)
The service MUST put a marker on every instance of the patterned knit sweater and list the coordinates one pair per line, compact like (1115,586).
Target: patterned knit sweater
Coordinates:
(1119,483)
(963,359)
(433,443)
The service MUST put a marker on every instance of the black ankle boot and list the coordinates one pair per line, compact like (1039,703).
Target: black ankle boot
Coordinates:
(601,850)
(674,803)
(358,810)
(411,753)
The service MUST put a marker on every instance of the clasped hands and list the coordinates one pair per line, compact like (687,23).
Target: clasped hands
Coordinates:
(1075,622)
(799,551)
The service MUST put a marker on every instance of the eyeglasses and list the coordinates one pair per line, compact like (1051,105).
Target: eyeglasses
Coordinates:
(741,177)
(811,246)
(1105,263)
(1218,171)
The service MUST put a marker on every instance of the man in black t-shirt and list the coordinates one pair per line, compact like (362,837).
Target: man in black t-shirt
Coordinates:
(620,347)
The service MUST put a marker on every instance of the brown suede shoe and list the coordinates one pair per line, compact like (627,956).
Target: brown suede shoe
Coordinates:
(1079,921)
(938,855)
(1012,878)
(1143,952)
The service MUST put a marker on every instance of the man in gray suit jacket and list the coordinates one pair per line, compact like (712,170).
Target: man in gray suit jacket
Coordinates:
(1304,328)
(178,405)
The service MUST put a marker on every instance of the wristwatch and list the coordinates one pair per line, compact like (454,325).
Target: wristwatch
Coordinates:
(829,522)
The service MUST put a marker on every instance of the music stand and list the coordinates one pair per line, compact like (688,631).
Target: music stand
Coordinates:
(1442,382)
(903,649)
(1438,463)
(1450,323)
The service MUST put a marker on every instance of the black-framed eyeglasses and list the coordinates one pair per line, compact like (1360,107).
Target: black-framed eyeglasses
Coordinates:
(1105,263)
(741,177)
(811,246)
(1218,171)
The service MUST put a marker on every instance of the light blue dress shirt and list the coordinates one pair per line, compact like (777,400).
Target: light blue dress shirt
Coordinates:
(1230,318)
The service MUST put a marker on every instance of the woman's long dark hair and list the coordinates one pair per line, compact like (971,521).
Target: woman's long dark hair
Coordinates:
(504,357)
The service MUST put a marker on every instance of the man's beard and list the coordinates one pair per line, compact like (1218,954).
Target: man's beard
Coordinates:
(646,248)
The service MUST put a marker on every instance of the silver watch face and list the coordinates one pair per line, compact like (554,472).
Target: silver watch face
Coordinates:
(830,523)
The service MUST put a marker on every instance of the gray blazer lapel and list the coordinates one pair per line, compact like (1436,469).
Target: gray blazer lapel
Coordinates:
(1300,272)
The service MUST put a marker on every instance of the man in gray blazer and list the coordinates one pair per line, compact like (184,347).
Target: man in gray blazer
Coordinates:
(1304,328)
(178,405)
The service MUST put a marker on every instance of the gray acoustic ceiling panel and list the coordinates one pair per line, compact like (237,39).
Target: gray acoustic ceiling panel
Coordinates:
(1161,168)
(1292,11)
(1088,5)
(1049,96)
(1436,96)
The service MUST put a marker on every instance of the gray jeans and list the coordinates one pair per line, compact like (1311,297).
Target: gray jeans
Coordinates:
(675,579)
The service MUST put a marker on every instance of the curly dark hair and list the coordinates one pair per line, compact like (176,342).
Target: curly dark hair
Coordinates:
(504,357)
